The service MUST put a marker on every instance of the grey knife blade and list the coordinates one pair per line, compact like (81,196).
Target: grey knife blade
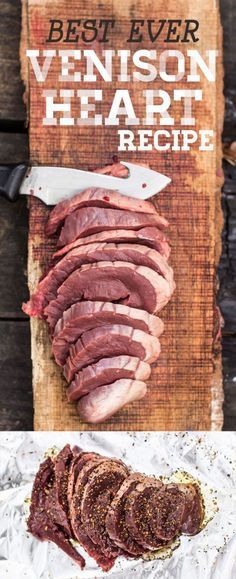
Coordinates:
(52,184)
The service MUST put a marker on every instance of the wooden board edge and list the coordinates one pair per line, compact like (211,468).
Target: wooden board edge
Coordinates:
(217,381)
(217,394)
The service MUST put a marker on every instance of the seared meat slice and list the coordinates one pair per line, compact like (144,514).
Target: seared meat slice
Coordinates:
(99,492)
(176,508)
(95,252)
(105,401)
(108,341)
(40,522)
(89,220)
(134,286)
(194,509)
(115,520)
(106,371)
(149,236)
(154,513)
(79,530)
(85,316)
(76,465)
(95,197)
(56,500)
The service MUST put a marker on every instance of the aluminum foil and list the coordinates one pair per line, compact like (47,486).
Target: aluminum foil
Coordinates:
(208,457)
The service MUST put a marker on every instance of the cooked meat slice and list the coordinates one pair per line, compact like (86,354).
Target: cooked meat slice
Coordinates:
(167,508)
(104,401)
(57,495)
(95,197)
(85,316)
(194,509)
(108,341)
(138,511)
(89,220)
(95,252)
(75,467)
(106,371)
(99,492)
(40,522)
(134,286)
(115,520)
(79,530)
(149,236)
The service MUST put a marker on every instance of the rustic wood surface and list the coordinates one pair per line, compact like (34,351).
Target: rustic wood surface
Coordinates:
(185,392)
(16,410)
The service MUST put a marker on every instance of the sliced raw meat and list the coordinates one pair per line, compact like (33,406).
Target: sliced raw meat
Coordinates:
(95,197)
(194,509)
(108,341)
(150,236)
(106,371)
(157,510)
(99,492)
(115,520)
(40,522)
(75,514)
(105,401)
(134,286)
(115,169)
(95,252)
(89,220)
(85,316)
(167,509)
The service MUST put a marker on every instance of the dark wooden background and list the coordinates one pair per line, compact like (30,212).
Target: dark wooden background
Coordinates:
(16,410)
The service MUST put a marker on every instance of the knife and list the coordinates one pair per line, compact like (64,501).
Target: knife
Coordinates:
(52,184)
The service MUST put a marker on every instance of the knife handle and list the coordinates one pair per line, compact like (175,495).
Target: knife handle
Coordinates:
(11,177)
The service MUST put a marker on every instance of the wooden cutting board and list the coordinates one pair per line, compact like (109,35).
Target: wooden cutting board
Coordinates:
(185,390)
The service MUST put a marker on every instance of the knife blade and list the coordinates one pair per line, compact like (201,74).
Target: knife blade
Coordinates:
(53,184)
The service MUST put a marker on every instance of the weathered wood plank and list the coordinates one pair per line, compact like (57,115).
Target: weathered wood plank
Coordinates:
(11,89)
(182,385)
(15,372)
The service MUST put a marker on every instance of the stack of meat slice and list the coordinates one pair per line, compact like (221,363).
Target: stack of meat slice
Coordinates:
(109,510)
(108,280)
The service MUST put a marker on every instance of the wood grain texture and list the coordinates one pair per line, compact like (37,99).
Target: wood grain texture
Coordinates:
(185,391)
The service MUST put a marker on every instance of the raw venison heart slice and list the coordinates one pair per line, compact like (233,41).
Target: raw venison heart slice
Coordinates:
(85,316)
(95,197)
(149,236)
(99,492)
(105,401)
(89,220)
(135,286)
(108,341)
(105,371)
(95,252)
